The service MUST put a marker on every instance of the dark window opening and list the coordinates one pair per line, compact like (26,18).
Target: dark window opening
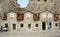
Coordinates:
(29,26)
(21,25)
(36,25)
(43,26)
(49,26)
(45,0)
(56,24)
(6,25)
(14,26)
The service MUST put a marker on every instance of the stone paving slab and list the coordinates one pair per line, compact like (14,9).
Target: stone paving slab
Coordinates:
(30,34)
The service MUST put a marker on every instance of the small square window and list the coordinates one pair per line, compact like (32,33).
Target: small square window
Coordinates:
(36,25)
(21,25)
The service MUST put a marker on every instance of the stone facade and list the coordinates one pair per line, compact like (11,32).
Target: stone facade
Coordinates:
(39,15)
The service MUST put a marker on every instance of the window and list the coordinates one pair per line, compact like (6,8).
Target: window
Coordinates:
(38,7)
(45,0)
(38,0)
(14,26)
(53,8)
(46,8)
(21,25)
(49,26)
(28,15)
(31,7)
(56,24)
(4,14)
(36,25)
(6,25)
(29,26)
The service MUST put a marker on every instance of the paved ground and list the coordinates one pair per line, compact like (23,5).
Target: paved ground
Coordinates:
(30,34)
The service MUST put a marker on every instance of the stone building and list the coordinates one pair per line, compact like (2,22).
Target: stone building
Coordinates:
(39,15)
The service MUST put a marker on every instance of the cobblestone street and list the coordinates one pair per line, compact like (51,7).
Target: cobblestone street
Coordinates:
(30,34)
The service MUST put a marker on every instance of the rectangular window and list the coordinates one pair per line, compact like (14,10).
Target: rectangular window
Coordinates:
(36,25)
(21,25)
(29,26)
(45,0)
(14,26)
(43,26)
(38,7)
(50,26)
(32,6)
(56,24)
